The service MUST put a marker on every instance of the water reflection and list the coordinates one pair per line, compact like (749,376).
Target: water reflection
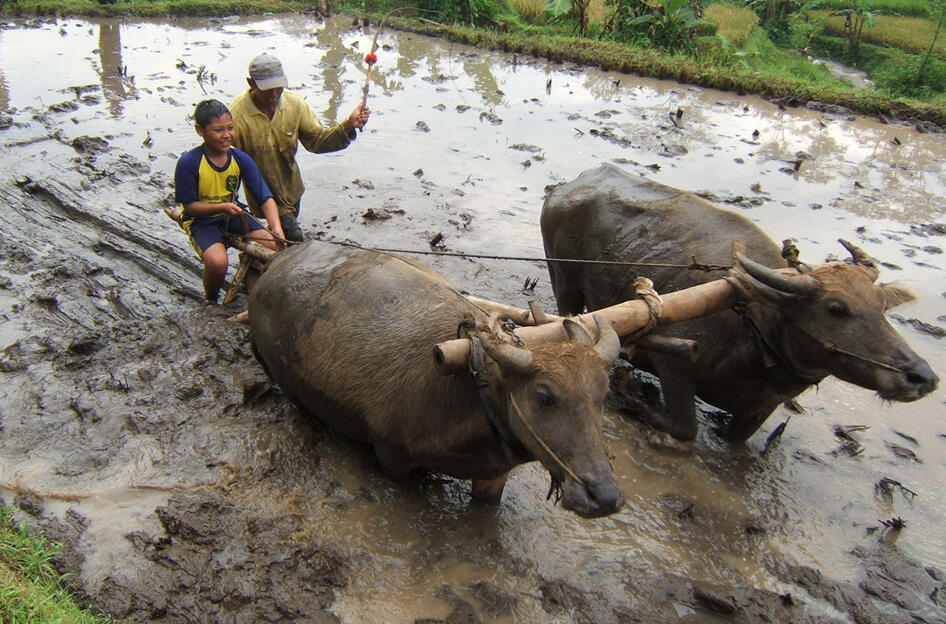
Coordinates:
(484,82)
(111,70)
(4,92)
(333,66)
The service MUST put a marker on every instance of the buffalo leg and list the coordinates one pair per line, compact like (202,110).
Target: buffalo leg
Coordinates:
(393,460)
(680,398)
(489,490)
(568,295)
(742,426)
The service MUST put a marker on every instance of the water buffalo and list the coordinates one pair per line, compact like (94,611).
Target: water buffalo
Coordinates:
(796,329)
(349,335)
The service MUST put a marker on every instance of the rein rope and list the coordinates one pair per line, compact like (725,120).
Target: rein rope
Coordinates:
(692,266)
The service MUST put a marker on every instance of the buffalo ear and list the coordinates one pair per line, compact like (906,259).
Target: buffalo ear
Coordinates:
(896,294)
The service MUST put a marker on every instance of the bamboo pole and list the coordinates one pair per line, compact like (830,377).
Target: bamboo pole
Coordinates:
(626,318)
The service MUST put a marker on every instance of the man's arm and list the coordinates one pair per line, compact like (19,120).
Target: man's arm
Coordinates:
(256,186)
(271,212)
(316,139)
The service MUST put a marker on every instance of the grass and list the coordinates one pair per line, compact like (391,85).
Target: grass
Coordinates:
(530,11)
(907,33)
(736,23)
(30,588)
(911,8)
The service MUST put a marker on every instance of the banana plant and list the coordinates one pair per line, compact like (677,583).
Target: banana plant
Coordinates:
(669,23)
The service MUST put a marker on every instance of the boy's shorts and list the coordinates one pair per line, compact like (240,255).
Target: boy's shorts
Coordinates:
(205,231)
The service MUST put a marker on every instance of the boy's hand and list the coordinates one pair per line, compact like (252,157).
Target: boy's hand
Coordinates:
(230,208)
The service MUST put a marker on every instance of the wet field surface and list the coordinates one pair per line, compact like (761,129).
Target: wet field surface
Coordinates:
(137,429)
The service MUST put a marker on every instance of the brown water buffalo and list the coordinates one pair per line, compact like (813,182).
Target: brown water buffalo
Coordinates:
(796,329)
(349,335)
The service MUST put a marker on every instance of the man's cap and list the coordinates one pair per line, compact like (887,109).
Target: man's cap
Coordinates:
(266,71)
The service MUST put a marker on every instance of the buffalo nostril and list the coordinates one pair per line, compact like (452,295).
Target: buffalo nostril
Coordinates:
(608,499)
(923,378)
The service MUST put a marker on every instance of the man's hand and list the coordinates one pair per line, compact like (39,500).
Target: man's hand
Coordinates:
(278,235)
(358,118)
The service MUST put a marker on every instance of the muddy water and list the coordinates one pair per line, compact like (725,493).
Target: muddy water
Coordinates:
(137,429)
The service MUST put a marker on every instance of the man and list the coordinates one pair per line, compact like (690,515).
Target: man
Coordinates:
(271,122)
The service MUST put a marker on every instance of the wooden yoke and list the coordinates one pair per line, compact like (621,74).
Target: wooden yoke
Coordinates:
(626,318)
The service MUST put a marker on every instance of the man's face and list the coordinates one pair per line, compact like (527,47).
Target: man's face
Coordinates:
(265,100)
(218,133)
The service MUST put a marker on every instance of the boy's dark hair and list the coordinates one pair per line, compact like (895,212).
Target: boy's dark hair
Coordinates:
(207,110)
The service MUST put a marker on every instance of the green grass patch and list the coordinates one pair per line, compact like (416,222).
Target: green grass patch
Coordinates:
(736,23)
(907,8)
(30,588)
(906,33)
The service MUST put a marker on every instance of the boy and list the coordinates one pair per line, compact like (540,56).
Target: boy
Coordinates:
(206,182)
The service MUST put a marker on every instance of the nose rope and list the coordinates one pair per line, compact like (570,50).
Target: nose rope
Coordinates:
(743,310)
(833,348)
(515,407)
(836,349)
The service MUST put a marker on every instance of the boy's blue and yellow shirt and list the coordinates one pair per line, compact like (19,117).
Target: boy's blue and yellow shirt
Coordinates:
(198,179)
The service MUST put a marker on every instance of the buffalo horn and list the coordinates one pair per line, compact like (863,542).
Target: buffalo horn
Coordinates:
(803,285)
(507,355)
(577,331)
(861,257)
(609,343)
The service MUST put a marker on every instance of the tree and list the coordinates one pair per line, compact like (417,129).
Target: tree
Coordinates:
(938,10)
(855,18)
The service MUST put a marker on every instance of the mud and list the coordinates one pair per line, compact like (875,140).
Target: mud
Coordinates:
(136,428)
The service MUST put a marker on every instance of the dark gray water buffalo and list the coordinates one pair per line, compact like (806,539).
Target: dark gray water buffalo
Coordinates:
(349,336)
(795,330)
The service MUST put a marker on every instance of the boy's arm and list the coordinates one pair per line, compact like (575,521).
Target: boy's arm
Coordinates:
(205,209)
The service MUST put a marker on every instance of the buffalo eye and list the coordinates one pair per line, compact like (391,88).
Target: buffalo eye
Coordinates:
(838,309)
(544,398)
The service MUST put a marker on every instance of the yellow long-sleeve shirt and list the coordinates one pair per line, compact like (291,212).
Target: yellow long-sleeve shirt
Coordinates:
(272,144)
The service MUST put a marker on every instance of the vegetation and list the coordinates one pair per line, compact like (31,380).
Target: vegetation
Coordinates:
(736,23)
(30,588)
(911,34)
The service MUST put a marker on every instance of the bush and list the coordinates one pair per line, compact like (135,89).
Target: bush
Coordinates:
(908,77)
